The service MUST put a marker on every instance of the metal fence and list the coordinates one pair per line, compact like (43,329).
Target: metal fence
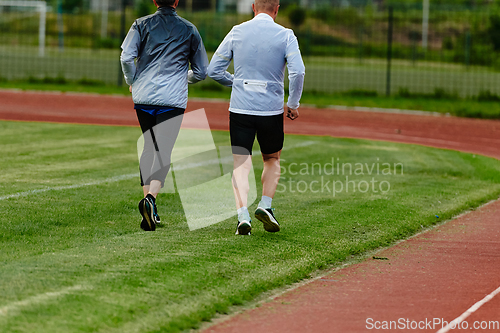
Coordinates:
(396,49)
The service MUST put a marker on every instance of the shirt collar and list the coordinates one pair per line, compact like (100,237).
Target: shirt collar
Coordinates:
(263,16)
(167,10)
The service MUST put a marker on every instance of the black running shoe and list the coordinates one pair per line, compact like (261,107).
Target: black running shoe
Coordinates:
(145,225)
(147,209)
(157,217)
(266,216)
(243,228)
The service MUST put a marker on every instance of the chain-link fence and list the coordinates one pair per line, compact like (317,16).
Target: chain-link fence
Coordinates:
(366,46)
(402,49)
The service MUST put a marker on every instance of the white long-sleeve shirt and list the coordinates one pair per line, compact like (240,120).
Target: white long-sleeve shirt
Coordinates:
(260,49)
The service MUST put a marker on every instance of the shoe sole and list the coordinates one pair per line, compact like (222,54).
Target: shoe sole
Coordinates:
(244,229)
(147,223)
(267,220)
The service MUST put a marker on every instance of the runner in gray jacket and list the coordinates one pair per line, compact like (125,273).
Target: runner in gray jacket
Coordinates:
(155,61)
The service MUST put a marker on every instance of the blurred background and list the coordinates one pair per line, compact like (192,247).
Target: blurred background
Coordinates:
(438,48)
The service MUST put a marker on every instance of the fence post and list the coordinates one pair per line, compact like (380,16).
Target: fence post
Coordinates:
(467,48)
(42,7)
(360,44)
(221,6)
(425,24)
(104,18)
(60,25)
(189,6)
(389,51)
(122,37)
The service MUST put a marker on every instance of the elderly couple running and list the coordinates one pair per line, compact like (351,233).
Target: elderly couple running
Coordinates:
(156,55)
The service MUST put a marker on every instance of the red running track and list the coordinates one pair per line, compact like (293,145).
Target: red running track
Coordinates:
(435,276)
(471,135)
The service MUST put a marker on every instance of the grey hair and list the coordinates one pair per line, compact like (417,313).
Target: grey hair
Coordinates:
(266,5)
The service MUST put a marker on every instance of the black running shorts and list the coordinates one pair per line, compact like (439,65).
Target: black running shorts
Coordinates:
(243,128)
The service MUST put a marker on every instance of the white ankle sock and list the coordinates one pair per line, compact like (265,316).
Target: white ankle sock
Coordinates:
(266,202)
(243,214)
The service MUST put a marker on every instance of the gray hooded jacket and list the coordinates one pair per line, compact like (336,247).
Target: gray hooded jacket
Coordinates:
(164,45)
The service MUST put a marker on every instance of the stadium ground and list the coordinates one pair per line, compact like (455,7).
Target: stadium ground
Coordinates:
(418,284)
(467,246)
(468,135)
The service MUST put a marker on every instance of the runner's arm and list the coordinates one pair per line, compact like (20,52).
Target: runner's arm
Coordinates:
(296,72)
(130,51)
(221,59)
(198,60)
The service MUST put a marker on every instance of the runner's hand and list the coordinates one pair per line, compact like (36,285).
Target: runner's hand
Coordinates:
(292,113)
(130,88)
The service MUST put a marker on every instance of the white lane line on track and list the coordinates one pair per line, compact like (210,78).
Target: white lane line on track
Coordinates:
(453,324)
(39,299)
(70,187)
(130,176)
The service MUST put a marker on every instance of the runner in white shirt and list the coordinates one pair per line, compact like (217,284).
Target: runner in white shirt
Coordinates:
(260,49)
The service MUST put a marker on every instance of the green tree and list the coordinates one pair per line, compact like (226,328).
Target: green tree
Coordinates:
(494,31)
(144,7)
(71,6)
(297,15)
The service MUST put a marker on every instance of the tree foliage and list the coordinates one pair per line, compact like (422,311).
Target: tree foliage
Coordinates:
(144,8)
(71,6)
(297,15)
(494,31)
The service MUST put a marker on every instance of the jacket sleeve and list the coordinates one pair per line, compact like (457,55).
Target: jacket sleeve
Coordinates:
(198,60)
(221,59)
(130,51)
(296,71)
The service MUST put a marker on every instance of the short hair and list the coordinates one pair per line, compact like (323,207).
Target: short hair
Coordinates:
(165,3)
(266,5)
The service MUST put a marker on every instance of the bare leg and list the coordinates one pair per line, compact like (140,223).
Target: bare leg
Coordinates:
(155,187)
(242,167)
(145,189)
(271,174)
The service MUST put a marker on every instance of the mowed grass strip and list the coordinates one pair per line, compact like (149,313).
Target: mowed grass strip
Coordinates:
(75,260)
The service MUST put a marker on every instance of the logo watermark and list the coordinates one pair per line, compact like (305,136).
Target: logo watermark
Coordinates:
(337,176)
(429,324)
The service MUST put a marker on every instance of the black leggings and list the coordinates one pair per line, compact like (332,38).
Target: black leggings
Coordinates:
(160,133)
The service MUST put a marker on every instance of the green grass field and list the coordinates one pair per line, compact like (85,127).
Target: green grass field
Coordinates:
(74,259)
